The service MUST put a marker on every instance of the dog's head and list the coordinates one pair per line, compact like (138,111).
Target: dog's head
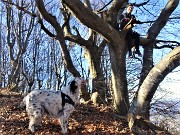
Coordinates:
(76,84)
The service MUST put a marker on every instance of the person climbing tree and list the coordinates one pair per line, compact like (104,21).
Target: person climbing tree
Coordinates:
(124,20)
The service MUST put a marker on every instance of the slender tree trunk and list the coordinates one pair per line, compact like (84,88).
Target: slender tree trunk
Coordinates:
(17,33)
(98,81)
(1,63)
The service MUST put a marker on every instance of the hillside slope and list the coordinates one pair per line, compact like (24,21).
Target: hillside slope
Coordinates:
(85,120)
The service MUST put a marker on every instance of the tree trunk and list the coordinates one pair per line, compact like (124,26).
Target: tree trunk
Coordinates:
(14,35)
(98,81)
(119,81)
(148,55)
(154,78)
(59,37)
(117,50)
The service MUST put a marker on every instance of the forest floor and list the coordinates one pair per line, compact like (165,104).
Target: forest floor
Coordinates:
(85,120)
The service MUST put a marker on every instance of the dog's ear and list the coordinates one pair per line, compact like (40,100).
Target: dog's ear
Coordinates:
(73,86)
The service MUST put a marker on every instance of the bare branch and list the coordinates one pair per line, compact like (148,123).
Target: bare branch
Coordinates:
(141,4)
(21,8)
(176,17)
(164,41)
(170,44)
(100,10)
(44,28)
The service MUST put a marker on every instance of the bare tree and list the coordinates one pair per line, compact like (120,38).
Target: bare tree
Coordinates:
(102,26)
(117,44)
(17,35)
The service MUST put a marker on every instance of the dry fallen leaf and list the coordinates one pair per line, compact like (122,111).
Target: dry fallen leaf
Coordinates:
(86,119)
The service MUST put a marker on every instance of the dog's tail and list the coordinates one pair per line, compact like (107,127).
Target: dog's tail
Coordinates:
(23,103)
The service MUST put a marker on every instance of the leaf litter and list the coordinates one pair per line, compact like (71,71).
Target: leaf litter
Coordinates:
(85,120)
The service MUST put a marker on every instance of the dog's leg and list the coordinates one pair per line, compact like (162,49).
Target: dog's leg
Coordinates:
(31,124)
(63,123)
(64,118)
(35,119)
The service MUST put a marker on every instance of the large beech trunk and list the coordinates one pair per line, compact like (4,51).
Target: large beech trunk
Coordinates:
(119,81)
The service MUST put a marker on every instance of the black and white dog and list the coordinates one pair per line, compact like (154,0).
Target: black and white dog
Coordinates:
(59,104)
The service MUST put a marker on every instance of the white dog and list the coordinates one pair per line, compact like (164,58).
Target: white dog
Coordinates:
(59,104)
